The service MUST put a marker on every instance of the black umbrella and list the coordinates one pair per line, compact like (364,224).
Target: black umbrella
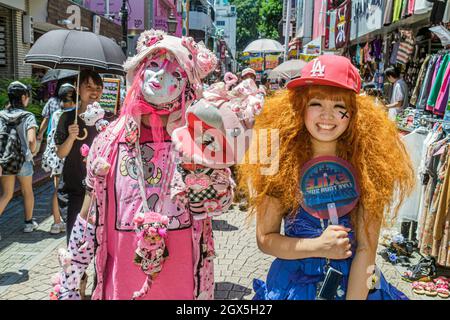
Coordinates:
(57,74)
(76,50)
(71,49)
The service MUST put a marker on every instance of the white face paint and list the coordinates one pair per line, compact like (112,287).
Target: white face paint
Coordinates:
(164,80)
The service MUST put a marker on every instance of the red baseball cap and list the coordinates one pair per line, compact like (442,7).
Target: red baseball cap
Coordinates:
(329,70)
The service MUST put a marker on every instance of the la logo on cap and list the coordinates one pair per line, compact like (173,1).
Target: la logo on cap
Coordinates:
(317,70)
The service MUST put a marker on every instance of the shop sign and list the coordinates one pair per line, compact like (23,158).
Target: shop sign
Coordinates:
(367,16)
(136,11)
(256,62)
(342,27)
(271,61)
(111,95)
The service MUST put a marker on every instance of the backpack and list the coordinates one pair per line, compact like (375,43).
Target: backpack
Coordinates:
(11,154)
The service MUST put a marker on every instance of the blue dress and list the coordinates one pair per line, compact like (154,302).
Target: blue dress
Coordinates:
(298,279)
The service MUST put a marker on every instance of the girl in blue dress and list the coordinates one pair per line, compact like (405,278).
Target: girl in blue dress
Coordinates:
(322,114)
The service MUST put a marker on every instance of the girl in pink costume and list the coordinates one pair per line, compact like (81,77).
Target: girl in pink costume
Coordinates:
(147,244)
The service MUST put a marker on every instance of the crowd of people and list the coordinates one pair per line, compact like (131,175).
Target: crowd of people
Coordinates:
(138,195)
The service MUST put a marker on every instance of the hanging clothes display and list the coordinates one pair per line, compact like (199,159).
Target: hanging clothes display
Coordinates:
(414,143)
(437,13)
(442,97)
(433,216)
(431,90)
(437,82)
(406,47)
(397,15)
(420,80)
(422,6)
(410,9)
(388,12)
(446,18)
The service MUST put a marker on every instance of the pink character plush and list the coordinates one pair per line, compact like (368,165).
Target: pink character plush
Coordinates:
(100,167)
(151,248)
(84,150)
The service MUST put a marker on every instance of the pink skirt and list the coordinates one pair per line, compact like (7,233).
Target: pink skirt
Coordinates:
(175,281)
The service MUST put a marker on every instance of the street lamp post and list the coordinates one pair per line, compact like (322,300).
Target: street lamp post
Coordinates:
(124,21)
(172,23)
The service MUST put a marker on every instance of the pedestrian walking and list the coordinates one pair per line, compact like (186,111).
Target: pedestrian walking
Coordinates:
(71,187)
(17,144)
(66,97)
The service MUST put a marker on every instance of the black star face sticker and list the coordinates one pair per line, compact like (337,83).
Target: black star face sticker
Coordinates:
(344,114)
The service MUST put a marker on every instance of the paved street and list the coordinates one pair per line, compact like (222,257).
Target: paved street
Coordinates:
(28,261)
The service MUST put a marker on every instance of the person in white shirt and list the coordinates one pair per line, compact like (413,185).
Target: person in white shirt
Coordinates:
(399,96)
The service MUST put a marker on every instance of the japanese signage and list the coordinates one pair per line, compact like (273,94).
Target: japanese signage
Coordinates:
(111,95)
(342,28)
(136,11)
(367,16)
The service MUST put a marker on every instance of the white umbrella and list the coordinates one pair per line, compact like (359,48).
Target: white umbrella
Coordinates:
(264,46)
(288,70)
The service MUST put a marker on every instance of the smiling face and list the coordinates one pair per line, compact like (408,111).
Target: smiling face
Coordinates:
(326,120)
(90,92)
(163,79)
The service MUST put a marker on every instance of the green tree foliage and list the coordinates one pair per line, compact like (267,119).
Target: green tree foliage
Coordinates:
(270,13)
(247,21)
(34,106)
(255,19)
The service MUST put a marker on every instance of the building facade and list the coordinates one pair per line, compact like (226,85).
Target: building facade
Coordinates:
(22,22)
(142,15)
(201,21)
(15,38)
(226,18)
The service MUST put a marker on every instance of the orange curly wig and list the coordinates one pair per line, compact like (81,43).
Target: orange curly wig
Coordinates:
(371,144)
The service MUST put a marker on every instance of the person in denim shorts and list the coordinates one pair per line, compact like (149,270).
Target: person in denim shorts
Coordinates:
(19,97)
